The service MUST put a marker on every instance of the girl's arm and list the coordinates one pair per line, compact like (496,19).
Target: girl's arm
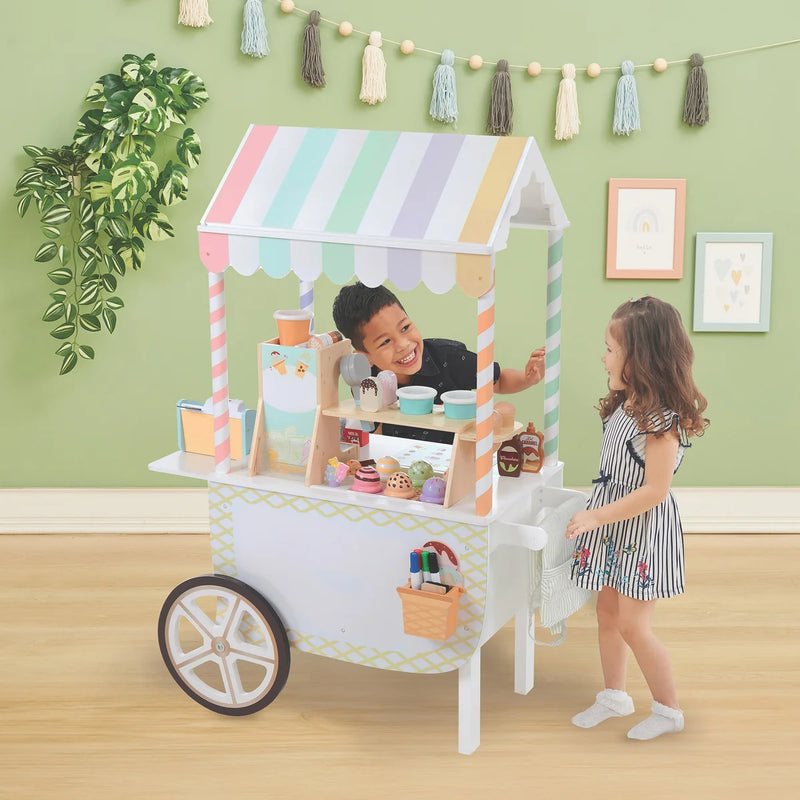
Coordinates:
(659,465)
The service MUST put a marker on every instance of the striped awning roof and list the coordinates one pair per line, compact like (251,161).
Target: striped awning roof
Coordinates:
(407,207)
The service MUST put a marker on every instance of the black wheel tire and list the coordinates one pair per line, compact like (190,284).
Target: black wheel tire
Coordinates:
(223,645)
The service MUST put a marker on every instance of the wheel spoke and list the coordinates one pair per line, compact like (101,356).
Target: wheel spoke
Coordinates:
(194,658)
(198,618)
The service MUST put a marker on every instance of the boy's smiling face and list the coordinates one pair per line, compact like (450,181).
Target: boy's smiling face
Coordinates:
(392,341)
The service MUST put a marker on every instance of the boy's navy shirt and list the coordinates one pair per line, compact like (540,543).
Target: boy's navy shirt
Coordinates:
(447,365)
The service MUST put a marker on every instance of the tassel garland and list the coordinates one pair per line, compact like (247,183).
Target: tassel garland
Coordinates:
(313,73)
(444,105)
(567,120)
(626,107)
(254,30)
(695,106)
(501,106)
(373,71)
(194,13)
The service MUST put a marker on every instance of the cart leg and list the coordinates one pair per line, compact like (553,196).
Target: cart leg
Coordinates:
(523,651)
(469,704)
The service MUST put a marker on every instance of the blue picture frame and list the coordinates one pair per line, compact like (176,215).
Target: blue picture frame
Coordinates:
(732,282)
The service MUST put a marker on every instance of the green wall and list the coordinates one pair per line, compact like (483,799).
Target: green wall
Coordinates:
(102,424)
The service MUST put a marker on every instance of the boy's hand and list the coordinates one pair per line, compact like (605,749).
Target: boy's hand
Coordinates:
(534,369)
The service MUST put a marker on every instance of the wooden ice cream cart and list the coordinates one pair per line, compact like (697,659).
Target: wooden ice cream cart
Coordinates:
(322,568)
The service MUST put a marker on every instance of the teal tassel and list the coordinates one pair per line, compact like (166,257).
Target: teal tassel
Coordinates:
(626,108)
(254,32)
(444,106)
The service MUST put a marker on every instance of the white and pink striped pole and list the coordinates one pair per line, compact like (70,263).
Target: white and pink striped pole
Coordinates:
(484,430)
(219,372)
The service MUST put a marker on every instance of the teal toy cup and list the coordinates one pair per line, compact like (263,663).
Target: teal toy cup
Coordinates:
(416,399)
(459,404)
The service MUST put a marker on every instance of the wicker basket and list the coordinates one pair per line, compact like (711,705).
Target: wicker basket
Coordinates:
(429,615)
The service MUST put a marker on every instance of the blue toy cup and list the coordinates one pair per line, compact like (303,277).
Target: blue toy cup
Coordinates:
(416,399)
(459,404)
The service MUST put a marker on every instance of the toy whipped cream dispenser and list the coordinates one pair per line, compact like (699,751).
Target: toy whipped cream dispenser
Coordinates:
(370,399)
(387,380)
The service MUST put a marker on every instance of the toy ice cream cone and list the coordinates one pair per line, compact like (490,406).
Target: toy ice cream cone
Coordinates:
(278,362)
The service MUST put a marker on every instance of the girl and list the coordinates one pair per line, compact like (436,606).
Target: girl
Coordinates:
(630,545)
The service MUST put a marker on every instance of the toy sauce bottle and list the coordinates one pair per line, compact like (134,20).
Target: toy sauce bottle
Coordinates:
(531,441)
(509,458)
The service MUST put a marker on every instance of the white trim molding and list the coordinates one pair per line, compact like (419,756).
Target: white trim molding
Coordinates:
(743,509)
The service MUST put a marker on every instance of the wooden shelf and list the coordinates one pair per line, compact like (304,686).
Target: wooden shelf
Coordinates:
(468,434)
(434,422)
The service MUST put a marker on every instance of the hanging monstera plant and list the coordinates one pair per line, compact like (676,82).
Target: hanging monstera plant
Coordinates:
(102,196)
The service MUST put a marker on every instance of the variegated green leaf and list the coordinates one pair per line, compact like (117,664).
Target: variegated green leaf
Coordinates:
(89,294)
(68,364)
(33,151)
(114,302)
(22,205)
(95,92)
(63,331)
(93,161)
(84,351)
(110,319)
(58,294)
(51,231)
(89,323)
(57,215)
(109,282)
(61,276)
(53,312)
(117,226)
(64,254)
(158,228)
(46,252)
(64,348)
(188,148)
(85,212)
(70,312)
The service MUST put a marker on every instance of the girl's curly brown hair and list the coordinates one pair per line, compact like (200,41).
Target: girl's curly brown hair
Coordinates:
(658,367)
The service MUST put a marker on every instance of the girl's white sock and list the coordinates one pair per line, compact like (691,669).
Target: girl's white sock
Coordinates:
(609,703)
(663,720)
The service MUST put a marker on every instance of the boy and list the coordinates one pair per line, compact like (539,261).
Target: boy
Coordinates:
(376,323)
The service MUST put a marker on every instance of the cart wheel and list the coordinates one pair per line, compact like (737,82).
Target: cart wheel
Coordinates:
(224,644)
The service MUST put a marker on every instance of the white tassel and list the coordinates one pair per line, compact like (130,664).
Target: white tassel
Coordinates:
(567,120)
(373,71)
(194,13)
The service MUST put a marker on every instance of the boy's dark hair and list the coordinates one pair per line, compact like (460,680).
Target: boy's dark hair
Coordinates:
(356,305)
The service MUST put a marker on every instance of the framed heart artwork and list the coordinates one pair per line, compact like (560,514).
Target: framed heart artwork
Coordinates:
(732,281)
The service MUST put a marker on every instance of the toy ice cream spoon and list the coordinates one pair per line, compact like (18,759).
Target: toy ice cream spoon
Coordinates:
(367,480)
(433,491)
(398,484)
(419,472)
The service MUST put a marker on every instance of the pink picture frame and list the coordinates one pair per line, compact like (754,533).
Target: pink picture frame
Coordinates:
(646,219)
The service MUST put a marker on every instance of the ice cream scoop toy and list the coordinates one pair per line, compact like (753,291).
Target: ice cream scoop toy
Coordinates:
(398,484)
(386,466)
(419,472)
(433,491)
(367,480)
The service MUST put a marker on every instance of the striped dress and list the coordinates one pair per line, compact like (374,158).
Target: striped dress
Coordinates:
(641,557)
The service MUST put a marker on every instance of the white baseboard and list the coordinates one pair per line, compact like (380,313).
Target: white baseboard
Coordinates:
(745,509)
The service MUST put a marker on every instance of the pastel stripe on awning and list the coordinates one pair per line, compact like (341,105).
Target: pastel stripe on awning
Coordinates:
(359,188)
(240,173)
(405,268)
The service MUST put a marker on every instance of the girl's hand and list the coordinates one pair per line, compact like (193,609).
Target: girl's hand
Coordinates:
(582,522)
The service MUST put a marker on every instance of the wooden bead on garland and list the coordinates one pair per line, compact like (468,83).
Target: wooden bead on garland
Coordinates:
(695,105)
(567,120)
(345,28)
(594,69)
(475,62)
(287,6)
(254,30)
(194,13)
(501,106)
(660,64)
(407,47)
(534,69)
(312,71)
(373,71)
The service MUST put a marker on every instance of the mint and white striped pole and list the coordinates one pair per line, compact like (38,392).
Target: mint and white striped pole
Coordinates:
(307,299)
(219,372)
(552,363)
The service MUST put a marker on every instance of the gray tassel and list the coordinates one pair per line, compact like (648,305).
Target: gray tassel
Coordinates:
(313,73)
(695,106)
(501,107)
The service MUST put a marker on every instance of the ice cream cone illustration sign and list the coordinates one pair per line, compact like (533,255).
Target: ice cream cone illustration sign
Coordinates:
(289,392)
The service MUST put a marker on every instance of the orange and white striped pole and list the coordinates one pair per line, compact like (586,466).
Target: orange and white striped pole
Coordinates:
(219,372)
(485,403)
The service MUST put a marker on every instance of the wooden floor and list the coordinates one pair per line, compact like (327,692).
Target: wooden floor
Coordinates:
(88,710)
